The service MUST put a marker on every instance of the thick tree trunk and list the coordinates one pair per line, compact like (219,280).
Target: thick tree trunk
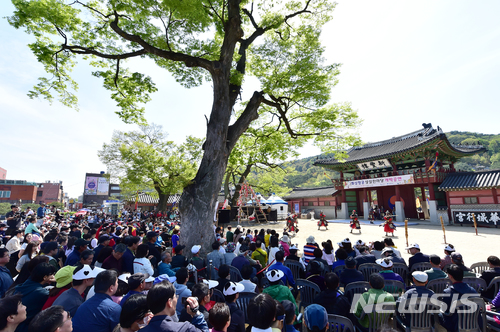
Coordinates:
(162,204)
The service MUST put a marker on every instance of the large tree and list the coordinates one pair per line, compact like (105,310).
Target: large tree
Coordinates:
(145,159)
(222,41)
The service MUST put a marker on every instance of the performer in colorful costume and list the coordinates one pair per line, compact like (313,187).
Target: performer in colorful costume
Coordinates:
(322,220)
(389,226)
(355,222)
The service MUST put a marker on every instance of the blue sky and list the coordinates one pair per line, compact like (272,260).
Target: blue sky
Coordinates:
(403,63)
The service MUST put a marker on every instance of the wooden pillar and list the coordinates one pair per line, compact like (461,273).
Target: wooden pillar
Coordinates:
(398,194)
(365,195)
(432,197)
(344,199)
(495,195)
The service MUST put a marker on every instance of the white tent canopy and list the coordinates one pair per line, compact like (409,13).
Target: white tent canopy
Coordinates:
(278,204)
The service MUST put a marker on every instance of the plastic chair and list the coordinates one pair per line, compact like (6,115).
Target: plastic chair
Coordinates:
(296,267)
(308,291)
(480,267)
(242,302)
(438,285)
(420,319)
(217,296)
(495,285)
(394,287)
(378,318)
(234,274)
(422,266)
(368,268)
(477,283)
(338,269)
(358,287)
(491,326)
(467,318)
(338,323)
(402,270)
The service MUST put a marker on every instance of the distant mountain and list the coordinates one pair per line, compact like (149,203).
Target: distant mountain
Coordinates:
(307,175)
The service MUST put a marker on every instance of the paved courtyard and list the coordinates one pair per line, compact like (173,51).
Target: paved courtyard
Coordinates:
(474,248)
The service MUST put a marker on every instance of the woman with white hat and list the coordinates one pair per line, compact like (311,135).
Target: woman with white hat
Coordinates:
(284,244)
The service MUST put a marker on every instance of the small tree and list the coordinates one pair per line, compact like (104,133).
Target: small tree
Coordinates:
(145,159)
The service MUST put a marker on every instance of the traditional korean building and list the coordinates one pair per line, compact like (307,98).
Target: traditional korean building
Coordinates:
(318,199)
(401,174)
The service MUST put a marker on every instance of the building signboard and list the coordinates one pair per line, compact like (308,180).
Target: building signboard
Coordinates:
(466,217)
(91,185)
(376,164)
(380,182)
(102,186)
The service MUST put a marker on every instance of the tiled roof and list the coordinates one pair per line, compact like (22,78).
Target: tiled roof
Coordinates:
(384,149)
(145,198)
(471,180)
(311,192)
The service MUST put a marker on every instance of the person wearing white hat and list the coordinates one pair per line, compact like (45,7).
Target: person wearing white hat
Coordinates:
(448,250)
(231,293)
(309,249)
(419,290)
(196,260)
(284,244)
(83,277)
(387,272)
(417,257)
(277,290)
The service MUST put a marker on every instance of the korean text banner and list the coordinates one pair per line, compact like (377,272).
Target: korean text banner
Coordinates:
(380,182)
(91,185)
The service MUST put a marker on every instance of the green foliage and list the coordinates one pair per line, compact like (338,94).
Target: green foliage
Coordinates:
(489,159)
(145,159)
(58,205)
(4,208)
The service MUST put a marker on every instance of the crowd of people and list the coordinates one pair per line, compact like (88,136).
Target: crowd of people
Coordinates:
(106,274)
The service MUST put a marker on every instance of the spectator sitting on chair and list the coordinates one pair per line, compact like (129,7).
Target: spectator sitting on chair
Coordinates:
(387,273)
(315,318)
(457,259)
(341,255)
(216,257)
(417,256)
(276,290)
(448,250)
(350,274)
(114,261)
(279,318)
(388,252)
(375,294)
(419,280)
(435,272)
(288,276)
(293,254)
(223,277)
(457,290)
(261,312)
(246,274)
(290,316)
(315,274)
(488,275)
(390,244)
(333,301)
(219,317)
(231,293)
(364,256)
(318,253)
(12,313)
(377,249)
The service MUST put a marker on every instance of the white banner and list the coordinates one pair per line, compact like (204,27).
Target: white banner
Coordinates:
(380,182)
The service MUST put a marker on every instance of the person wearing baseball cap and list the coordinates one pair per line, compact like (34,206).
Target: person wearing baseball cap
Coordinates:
(350,274)
(136,283)
(457,259)
(418,291)
(152,236)
(417,256)
(387,272)
(103,241)
(448,250)
(197,261)
(231,293)
(315,318)
(388,252)
(83,277)
(179,260)
(74,257)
